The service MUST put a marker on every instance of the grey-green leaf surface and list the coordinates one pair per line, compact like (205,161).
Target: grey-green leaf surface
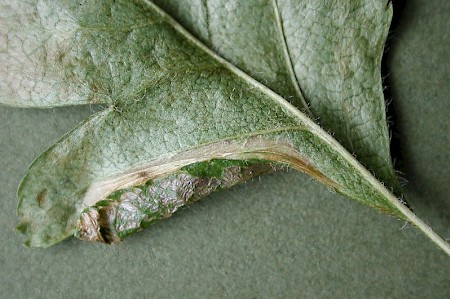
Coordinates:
(325,54)
(170,102)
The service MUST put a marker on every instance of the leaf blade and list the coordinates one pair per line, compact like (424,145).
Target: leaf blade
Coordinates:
(334,50)
(118,139)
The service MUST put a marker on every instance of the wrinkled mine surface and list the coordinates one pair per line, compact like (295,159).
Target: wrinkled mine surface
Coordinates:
(128,210)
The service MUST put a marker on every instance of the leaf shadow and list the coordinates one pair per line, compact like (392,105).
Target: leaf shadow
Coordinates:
(428,195)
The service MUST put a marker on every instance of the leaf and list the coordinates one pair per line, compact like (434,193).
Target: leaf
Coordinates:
(322,57)
(172,103)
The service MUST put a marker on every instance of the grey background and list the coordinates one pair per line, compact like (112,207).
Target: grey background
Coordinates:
(283,235)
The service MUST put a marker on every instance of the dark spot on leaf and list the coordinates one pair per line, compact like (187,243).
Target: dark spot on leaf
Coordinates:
(143,174)
(94,87)
(23,227)
(40,198)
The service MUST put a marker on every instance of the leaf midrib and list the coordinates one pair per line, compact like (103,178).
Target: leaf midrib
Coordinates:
(276,98)
(235,70)
(306,122)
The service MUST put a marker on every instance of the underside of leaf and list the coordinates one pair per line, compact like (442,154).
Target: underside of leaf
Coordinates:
(323,57)
(173,105)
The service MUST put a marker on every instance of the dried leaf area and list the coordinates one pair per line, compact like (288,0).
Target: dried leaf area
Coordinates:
(129,210)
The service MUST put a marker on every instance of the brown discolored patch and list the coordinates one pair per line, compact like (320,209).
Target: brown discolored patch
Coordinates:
(94,87)
(295,161)
(40,197)
(88,228)
(107,215)
(143,174)
(98,225)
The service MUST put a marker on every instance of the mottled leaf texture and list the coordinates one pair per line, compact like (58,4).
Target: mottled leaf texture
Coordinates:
(324,55)
(186,118)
